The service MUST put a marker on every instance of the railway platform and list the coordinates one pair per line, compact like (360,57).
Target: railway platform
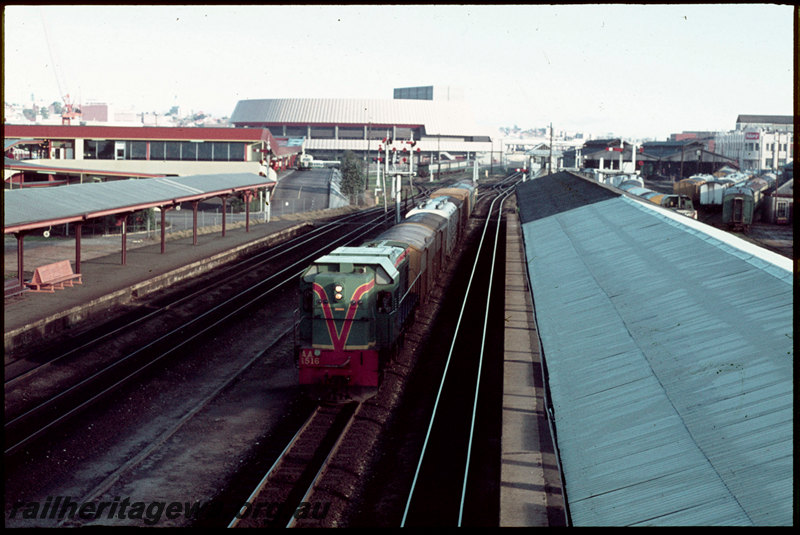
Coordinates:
(530,488)
(108,283)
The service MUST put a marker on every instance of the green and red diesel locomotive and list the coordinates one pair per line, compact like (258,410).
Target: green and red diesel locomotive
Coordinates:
(356,303)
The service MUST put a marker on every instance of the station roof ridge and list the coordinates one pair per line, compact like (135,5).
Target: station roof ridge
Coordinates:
(32,208)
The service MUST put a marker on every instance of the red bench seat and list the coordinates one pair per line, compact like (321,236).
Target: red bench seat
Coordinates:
(51,277)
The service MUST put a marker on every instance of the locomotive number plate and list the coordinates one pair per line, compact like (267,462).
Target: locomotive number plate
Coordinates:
(308,358)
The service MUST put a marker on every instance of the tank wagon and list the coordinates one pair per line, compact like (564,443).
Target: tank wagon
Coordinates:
(356,303)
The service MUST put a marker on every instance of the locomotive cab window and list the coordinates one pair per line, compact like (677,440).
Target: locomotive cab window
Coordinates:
(384,304)
(381,277)
(308,300)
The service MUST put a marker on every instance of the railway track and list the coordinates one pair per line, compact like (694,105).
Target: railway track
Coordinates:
(281,498)
(32,412)
(18,367)
(110,386)
(460,453)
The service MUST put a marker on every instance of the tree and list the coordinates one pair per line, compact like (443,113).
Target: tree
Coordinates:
(352,175)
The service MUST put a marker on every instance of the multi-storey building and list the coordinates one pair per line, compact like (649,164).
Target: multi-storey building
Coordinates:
(757,150)
(760,142)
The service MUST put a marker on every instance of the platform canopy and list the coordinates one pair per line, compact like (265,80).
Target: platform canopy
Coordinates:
(67,169)
(27,209)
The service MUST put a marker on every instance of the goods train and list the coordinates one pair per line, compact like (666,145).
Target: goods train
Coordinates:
(742,202)
(356,303)
(707,191)
(679,203)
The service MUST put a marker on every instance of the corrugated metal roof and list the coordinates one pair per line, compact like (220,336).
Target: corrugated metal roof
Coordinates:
(437,117)
(67,167)
(669,351)
(10,143)
(30,206)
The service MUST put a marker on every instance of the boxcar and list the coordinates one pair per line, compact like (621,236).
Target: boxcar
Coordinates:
(712,191)
(445,208)
(420,247)
(691,187)
(464,192)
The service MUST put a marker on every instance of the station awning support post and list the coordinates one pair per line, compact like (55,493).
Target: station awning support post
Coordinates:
(78,228)
(194,222)
(121,222)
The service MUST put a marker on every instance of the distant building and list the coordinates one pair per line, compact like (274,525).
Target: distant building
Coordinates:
(86,153)
(677,159)
(95,112)
(757,149)
(332,126)
(779,205)
(429,92)
(770,123)
(706,137)
(603,155)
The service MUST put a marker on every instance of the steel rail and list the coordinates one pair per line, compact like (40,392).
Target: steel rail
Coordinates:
(163,437)
(239,515)
(324,465)
(447,366)
(270,253)
(308,444)
(480,357)
(95,376)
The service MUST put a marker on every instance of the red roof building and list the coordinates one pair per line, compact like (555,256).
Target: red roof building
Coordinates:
(80,154)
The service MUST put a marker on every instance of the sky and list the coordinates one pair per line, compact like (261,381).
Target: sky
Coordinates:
(641,71)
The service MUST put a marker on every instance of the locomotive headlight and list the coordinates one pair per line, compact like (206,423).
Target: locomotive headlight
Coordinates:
(338,289)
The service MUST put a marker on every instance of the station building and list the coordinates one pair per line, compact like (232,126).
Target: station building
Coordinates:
(66,154)
(442,127)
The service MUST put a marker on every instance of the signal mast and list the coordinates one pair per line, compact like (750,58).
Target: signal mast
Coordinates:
(404,155)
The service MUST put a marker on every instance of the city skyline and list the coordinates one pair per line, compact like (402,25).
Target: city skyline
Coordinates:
(635,70)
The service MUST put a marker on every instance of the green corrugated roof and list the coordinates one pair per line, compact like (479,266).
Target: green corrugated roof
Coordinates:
(669,350)
(39,205)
